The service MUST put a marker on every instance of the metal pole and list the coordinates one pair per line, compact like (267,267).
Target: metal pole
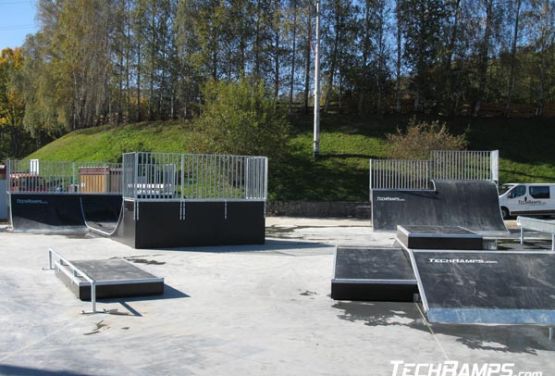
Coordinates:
(93,296)
(553,242)
(522,235)
(316,141)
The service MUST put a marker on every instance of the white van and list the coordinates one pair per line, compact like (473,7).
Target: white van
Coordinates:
(527,199)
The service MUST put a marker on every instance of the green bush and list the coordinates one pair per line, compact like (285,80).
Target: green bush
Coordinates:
(240,118)
(421,138)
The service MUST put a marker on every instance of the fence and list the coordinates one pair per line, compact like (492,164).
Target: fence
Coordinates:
(3,199)
(464,165)
(171,176)
(443,165)
(399,174)
(34,176)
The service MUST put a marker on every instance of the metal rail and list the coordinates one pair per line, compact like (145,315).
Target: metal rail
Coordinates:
(75,273)
(536,224)
(59,177)
(442,165)
(194,177)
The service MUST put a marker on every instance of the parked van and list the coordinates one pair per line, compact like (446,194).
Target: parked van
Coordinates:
(527,199)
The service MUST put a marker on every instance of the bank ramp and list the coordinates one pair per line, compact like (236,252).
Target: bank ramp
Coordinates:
(63,212)
(473,205)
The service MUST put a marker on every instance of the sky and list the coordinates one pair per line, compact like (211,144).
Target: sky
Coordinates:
(17,19)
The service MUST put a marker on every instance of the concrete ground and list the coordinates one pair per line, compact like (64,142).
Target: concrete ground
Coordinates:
(244,310)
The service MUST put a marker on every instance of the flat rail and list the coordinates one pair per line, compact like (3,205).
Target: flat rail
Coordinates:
(75,272)
(539,225)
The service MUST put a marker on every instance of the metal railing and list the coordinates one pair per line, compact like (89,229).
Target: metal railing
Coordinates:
(172,176)
(442,165)
(400,174)
(34,176)
(75,273)
(536,224)
(462,165)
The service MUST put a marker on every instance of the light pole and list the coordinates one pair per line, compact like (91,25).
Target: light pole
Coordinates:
(316,138)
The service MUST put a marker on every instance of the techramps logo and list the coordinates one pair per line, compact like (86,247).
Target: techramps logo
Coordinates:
(390,199)
(454,368)
(435,260)
(29,201)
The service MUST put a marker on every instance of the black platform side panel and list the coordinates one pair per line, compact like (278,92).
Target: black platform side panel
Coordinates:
(101,208)
(373,274)
(36,211)
(167,224)
(126,230)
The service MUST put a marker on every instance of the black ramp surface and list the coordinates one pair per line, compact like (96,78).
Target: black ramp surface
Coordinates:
(473,205)
(438,237)
(113,270)
(368,263)
(489,287)
(55,211)
(372,274)
(38,211)
(101,213)
(115,278)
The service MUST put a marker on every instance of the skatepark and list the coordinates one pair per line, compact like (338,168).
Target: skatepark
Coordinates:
(251,307)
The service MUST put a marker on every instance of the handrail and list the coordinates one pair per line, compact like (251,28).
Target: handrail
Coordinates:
(536,225)
(76,273)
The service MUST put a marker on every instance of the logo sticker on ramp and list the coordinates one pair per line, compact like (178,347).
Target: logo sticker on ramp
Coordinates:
(434,260)
(31,202)
(398,199)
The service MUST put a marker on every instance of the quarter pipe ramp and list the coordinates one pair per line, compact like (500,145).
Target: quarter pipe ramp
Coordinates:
(473,205)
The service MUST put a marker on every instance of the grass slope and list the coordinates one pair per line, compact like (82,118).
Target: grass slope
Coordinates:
(527,149)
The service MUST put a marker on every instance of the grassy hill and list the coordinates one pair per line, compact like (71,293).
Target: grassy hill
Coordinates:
(527,149)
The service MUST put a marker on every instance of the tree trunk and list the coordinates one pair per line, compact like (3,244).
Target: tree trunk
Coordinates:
(138,81)
(365,53)
(450,51)
(276,57)
(307,62)
(484,59)
(398,62)
(257,42)
(293,56)
(333,63)
(511,83)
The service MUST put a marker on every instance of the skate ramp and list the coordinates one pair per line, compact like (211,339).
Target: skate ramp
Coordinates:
(473,205)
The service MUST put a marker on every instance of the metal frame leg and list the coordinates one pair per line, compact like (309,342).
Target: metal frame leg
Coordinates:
(93,296)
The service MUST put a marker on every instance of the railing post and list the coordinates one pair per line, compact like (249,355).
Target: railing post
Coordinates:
(73,178)
(93,296)
(247,178)
(370,178)
(265,179)
(494,166)
(182,182)
(135,174)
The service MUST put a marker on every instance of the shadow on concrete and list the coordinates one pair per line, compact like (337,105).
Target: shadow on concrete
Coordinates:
(503,338)
(270,245)
(169,293)
(10,370)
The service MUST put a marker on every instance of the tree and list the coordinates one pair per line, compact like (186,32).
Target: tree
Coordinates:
(240,118)
(423,21)
(12,103)
(421,138)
